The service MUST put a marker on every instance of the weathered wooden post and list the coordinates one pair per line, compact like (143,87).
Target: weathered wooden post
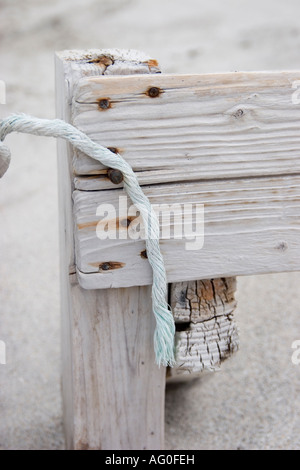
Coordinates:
(113,392)
(224,140)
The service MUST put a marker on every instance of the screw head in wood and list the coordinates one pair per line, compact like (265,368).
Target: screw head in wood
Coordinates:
(153,92)
(115,176)
(109,265)
(104,103)
(105,266)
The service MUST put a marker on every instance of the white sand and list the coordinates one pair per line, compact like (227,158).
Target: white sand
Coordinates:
(252,403)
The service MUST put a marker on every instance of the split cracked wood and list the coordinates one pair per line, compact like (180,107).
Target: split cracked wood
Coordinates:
(206,332)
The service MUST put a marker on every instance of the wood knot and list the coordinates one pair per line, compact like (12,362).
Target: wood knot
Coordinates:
(239,113)
(144,254)
(282,246)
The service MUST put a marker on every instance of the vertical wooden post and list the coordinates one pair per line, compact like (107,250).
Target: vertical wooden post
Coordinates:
(113,392)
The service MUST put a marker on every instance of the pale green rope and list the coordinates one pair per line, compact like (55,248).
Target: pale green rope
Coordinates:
(165,326)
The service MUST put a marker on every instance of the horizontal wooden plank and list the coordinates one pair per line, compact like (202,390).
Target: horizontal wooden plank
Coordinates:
(251,226)
(198,127)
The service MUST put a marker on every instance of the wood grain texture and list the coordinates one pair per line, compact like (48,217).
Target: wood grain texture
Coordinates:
(199,301)
(118,389)
(251,226)
(206,331)
(199,127)
(113,392)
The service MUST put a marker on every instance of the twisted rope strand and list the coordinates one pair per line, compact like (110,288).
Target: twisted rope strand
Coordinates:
(165,326)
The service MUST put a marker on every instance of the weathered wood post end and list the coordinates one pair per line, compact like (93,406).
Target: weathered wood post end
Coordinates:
(113,392)
(223,140)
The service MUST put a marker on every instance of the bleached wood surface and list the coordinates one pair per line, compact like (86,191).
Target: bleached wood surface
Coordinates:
(199,127)
(208,333)
(118,389)
(251,226)
(113,392)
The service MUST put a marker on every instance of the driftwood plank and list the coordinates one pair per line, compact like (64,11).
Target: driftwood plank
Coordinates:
(113,392)
(196,127)
(251,226)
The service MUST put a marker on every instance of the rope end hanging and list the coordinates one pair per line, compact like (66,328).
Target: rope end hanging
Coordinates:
(164,339)
(165,326)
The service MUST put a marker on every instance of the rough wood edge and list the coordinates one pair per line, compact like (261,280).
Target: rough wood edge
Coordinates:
(206,331)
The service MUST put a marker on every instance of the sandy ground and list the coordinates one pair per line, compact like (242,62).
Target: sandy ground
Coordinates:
(252,403)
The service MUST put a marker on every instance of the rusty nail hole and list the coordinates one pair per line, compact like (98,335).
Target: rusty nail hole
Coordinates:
(104,103)
(153,92)
(115,176)
(108,265)
(105,266)
(125,222)
(144,254)
(152,63)
(113,149)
